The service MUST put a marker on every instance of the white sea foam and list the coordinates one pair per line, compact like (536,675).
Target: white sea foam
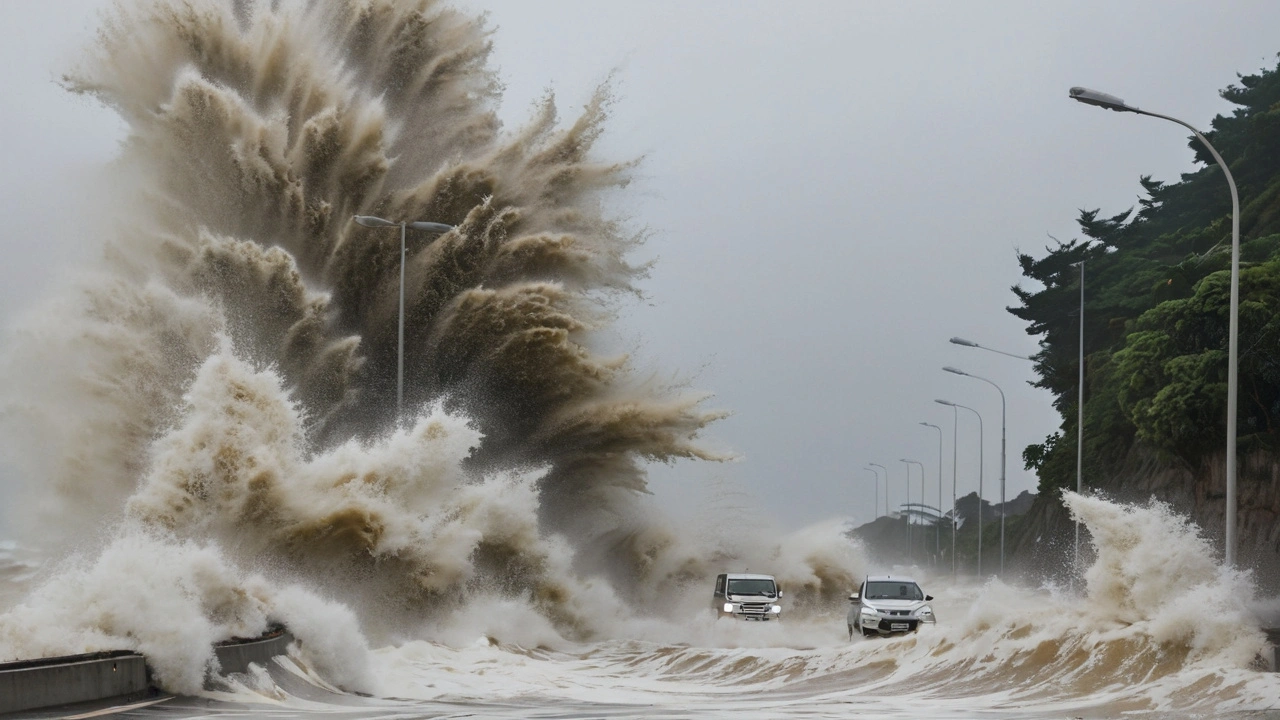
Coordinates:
(1137,642)
(206,431)
(172,600)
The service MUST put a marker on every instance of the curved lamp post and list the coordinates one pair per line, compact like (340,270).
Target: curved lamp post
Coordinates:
(377,222)
(955,430)
(979,416)
(937,534)
(1002,454)
(876,511)
(1111,102)
(970,343)
(1075,561)
(909,463)
(886,485)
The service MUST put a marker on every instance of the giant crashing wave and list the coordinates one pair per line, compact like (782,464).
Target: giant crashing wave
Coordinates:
(227,373)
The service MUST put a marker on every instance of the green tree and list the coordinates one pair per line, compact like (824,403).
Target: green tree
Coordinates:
(1157,307)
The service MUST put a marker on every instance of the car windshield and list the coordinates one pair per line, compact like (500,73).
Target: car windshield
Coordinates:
(751,587)
(893,590)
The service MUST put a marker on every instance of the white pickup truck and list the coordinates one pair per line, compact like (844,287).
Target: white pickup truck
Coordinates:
(745,596)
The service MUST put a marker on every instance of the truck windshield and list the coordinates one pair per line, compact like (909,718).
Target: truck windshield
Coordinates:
(893,590)
(751,587)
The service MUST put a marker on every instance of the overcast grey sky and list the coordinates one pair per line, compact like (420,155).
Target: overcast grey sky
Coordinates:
(835,189)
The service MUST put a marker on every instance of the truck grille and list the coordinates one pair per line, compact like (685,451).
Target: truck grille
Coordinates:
(759,611)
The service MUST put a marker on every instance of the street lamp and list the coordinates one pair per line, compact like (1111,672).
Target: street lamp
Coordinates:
(937,534)
(377,222)
(979,416)
(1075,567)
(970,343)
(876,510)
(955,429)
(1002,456)
(1111,102)
(886,485)
(909,464)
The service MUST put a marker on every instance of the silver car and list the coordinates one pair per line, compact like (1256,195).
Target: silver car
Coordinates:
(885,605)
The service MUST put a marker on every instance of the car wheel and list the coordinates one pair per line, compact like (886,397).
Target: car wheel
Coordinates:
(865,632)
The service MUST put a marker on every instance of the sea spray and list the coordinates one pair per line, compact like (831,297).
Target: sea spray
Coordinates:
(1185,649)
(223,376)
(89,379)
(1159,613)
(1155,571)
(171,600)
(397,526)
(216,398)
(256,130)
(819,565)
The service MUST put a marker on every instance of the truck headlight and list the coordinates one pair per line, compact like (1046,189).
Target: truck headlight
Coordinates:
(776,609)
(728,607)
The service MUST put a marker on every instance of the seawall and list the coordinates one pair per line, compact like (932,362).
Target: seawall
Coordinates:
(30,684)
(112,678)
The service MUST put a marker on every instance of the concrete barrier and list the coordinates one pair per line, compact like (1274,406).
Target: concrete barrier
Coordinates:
(1271,652)
(30,684)
(122,676)
(235,655)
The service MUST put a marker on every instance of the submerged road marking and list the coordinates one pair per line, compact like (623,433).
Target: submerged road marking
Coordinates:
(116,709)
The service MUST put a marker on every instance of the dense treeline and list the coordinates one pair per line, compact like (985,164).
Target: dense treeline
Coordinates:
(1157,281)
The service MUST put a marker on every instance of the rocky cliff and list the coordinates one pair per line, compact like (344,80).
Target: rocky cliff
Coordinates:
(1043,547)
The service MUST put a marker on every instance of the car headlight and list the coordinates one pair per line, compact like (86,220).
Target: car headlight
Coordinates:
(869,611)
(775,609)
(728,607)
(925,611)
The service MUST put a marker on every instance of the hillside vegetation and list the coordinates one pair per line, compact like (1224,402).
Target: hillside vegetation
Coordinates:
(1157,283)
